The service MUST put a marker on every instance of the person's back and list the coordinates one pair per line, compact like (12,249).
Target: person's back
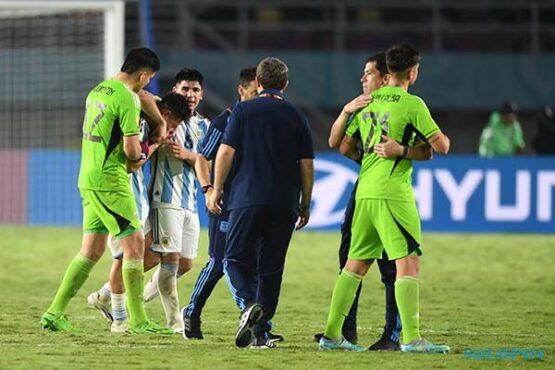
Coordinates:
(271,132)
(268,143)
(402,116)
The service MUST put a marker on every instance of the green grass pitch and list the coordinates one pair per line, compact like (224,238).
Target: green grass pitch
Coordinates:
(477,292)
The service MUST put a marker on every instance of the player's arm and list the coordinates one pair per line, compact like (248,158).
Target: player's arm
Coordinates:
(390,148)
(440,143)
(202,169)
(224,160)
(349,148)
(149,107)
(307,184)
(132,147)
(340,125)
(133,166)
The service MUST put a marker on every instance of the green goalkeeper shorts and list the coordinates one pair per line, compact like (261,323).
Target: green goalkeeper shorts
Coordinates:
(110,212)
(380,224)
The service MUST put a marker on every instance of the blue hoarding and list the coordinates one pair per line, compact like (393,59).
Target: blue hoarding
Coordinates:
(453,193)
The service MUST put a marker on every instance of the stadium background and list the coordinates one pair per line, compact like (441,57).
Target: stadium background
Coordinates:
(479,293)
(475,55)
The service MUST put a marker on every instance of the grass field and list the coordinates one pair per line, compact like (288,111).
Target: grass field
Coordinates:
(477,292)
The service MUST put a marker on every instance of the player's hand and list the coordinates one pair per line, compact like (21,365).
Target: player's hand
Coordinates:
(176,150)
(214,200)
(388,148)
(159,133)
(357,103)
(207,196)
(304,216)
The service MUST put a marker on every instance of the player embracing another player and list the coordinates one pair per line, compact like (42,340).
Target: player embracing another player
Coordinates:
(385,215)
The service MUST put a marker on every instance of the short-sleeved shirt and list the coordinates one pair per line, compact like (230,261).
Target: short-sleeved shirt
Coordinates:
(270,136)
(209,148)
(499,138)
(174,182)
(402,116)
(112,112)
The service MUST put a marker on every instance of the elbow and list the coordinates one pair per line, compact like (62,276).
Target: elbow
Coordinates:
(333,143)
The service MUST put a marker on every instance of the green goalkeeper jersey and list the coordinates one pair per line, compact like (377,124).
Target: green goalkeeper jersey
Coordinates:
(112,112)
(402,116)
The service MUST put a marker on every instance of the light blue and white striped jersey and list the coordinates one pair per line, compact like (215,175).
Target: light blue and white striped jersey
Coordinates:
(174,181)
(138,180)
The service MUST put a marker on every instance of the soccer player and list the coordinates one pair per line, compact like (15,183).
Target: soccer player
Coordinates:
(110,142)
(217,227)
(271,143)
(175,223)
(110,299)
(374,76)
(385,214)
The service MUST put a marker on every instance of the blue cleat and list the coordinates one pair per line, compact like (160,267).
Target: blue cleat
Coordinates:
(423,346)
(339,344)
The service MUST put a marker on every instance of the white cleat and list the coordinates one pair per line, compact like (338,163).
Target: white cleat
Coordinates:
(119,326)
(95,300)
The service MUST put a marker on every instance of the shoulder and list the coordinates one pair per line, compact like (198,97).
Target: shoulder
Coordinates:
(126,96)
(199,120)
(416,102)
(220,121)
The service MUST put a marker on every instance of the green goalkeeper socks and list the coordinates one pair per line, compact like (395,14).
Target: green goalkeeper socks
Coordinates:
(407,297)
(341,302)
(76,274)
(133,279)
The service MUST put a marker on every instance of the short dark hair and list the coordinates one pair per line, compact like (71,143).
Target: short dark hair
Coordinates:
(508,107)
(176,104)
(189,74)
(381,65)
(399,58)
(140,58)
(272,73)
(246,76)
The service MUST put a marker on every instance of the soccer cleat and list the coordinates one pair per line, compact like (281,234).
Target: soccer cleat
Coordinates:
(351,337)
(249,318)
(339,344)
(423,346)
(56,323)
(262,343)
(191,326)
(274,338)
(385,344)
(104,307)
(119,326)
(149,327)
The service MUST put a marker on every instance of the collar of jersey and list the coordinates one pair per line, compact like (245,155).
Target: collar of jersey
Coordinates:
(271,91)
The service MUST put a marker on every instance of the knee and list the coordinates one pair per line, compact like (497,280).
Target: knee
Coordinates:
(408,266)
(185,265)
(358,267)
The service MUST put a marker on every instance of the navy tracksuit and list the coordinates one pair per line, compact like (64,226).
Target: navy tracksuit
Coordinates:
(270,136)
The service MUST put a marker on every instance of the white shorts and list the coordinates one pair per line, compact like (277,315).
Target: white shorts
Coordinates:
(175,231)
(115,244)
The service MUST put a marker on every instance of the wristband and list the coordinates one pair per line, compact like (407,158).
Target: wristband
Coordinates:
(206,187)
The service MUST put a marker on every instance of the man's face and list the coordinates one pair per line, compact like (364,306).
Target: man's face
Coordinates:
(144,79)
(508,118)
(191,90)
(172,122)
(249,92)
(371,78)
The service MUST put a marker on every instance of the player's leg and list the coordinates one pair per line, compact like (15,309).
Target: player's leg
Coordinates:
(392,328)
(118,297)
(349,329)
(152,258)
(239,264)
(278,228)
(209,276)
(167,288)
(399,228)
(76,274)
(95,236)
(365,247)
